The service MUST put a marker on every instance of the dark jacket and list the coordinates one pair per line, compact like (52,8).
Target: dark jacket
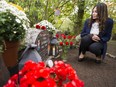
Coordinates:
(104,35)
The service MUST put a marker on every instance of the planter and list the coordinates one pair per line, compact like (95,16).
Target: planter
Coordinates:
(10,53)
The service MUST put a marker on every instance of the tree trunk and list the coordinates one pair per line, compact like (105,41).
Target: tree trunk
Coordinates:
(114,37)
(79,17)
(46,11)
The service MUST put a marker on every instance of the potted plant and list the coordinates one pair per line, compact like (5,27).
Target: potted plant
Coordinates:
(13,26)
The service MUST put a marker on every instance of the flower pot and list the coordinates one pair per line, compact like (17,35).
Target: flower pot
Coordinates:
(10,53)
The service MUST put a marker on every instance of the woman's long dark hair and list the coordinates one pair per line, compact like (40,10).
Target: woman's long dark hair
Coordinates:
(102,15)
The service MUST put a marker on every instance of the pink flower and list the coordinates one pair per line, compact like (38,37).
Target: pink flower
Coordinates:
(63,36)
(74,37)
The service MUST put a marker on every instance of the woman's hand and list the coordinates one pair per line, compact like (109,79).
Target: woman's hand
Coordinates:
(95,38)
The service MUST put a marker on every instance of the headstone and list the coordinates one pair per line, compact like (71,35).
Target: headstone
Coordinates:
(29,54)
(41,39)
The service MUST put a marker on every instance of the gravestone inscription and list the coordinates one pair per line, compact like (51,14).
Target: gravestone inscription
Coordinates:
(42,42)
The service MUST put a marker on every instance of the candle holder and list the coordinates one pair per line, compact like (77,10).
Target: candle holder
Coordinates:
(53,49)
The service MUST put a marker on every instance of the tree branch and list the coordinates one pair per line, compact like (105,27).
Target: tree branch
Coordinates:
(59,7)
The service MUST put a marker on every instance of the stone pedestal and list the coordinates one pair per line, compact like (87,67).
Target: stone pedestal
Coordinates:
(4,73)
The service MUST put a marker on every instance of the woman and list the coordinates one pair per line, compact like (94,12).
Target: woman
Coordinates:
(96,32)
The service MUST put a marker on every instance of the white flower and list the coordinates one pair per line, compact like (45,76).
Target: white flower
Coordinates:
(47,24)
(14,32)
(4,6)
(78,37)
(18,21)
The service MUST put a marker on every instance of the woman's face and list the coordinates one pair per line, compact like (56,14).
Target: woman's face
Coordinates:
(94,13)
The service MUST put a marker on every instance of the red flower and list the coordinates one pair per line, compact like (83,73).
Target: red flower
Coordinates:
(37,26)
(39,75)
(57,35)
(71,43)
(14,77)
(64,37)
(67,43)
(61,43)
(69,36)
(43,27)
(48,83)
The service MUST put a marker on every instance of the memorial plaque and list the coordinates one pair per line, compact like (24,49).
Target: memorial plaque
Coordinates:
(42,42)
(41,39)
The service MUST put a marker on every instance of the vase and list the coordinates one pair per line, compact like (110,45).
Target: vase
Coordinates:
(64,56)
(10,53)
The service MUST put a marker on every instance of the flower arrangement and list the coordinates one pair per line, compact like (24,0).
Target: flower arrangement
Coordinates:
(13,22)
(48,25)
(40,27)
(39,74)
(66,42)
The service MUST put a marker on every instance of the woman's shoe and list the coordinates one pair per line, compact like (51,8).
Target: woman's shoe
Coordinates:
(98,61)
(81,59)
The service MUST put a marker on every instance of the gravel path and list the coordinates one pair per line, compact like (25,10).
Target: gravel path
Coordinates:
(95,75)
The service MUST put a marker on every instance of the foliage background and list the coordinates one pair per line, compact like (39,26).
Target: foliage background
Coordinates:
(72,12)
